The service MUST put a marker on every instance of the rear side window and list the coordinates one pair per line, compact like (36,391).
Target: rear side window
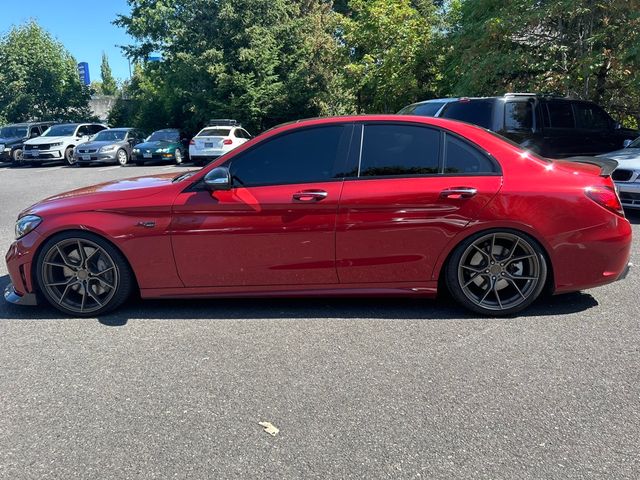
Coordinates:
(477,112)
(214,132)
(462,158)
(302,156)
(399,150)
(518,116)
(428,109)
(560,115)
(591,117)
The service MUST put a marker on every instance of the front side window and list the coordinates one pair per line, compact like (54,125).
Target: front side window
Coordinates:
(591,117)
(560,115)
(462,158)
(518,116)
(399,150)
(303,156)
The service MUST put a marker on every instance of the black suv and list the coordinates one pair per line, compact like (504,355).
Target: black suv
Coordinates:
(12,138)
(551,126)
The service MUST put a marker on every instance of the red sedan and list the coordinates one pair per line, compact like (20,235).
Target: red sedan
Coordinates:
(366,205)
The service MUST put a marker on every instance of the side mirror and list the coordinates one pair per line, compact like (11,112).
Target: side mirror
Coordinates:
(626,143)
(218,179)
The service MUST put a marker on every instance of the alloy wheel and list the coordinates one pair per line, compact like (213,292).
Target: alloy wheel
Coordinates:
(68,156)
(178,156)
(500,271)
(79,275)
(122,157)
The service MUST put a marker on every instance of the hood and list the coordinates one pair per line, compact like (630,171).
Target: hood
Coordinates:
(155,144)
(45,140)
(625,156)
(102,196)
(7,140)
(102,143)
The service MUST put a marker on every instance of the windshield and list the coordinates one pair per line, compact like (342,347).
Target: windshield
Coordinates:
(214,132)
(635,143)
(13,132)
(60,131)
(110,136)
(164,136)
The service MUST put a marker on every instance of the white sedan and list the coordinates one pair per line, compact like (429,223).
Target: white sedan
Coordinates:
(627,175)
(214,141)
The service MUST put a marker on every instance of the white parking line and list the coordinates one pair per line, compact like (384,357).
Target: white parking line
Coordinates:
(108,168)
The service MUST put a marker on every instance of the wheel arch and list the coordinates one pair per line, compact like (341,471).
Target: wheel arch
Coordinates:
(444,258)
(90,232)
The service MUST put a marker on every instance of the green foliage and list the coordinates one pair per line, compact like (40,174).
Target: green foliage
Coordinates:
(109,85)
(39,78)
(580,48)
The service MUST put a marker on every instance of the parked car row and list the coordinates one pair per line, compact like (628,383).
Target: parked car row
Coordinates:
(92,143)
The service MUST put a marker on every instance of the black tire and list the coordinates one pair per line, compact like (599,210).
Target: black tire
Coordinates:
(501,256)
(68,156)
(121,278)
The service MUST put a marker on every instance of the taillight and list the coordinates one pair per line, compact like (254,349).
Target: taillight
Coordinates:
(192,142)
(605,197)
(227,141)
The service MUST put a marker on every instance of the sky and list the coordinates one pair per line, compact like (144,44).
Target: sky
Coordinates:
(83,27)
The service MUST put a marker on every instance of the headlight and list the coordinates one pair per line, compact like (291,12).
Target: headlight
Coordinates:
(25,224)
(59,144)
(135,150)
(108,148)
(162,150)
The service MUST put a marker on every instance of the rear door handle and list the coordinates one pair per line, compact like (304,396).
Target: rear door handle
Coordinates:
(310,195)
(459,192)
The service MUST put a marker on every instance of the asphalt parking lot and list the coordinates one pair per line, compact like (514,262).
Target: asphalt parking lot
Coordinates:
(361,388)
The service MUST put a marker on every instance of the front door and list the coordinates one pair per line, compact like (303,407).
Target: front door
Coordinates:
(417,188)
(276,226)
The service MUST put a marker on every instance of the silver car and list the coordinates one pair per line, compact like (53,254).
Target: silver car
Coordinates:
(109,146)
(627,175)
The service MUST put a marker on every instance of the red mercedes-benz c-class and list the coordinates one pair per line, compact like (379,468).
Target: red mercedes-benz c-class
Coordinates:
(363,205)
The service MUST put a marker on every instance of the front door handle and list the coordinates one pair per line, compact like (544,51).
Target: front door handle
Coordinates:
(459,192)
(310,195)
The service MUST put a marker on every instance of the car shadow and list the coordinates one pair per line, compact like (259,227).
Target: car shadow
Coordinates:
(296,308)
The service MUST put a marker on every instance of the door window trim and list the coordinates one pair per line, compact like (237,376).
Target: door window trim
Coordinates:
(441,154)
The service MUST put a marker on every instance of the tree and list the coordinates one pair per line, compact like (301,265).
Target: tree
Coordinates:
(39,78)
(109,85)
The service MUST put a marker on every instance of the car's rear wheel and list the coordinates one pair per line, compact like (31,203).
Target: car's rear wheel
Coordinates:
(498,272)
(178,156)
(82,274)
(122,157)
(68,156)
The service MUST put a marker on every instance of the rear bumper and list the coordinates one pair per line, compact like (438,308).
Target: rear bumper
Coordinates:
(12,296)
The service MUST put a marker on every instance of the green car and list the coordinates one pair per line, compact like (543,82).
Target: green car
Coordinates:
(162,145)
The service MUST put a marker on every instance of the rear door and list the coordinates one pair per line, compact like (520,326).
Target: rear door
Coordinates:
(416,187)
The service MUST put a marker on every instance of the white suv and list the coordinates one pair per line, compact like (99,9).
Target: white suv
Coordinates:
(58,142)
(218,138)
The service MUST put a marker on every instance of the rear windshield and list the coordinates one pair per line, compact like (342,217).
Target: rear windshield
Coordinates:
(428,109)
(214,132)
(477,112)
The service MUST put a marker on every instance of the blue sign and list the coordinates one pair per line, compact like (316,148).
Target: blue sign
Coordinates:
(83,72)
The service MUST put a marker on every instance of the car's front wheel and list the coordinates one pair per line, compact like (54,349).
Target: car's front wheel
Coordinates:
(68,156)
(82,274)
(178,156)
(498,272)
(18,156)
(122,157)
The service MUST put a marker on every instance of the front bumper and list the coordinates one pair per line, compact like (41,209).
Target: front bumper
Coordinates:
(629,193)
(42,155)
(155,157)
(12,296)
(108,157)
